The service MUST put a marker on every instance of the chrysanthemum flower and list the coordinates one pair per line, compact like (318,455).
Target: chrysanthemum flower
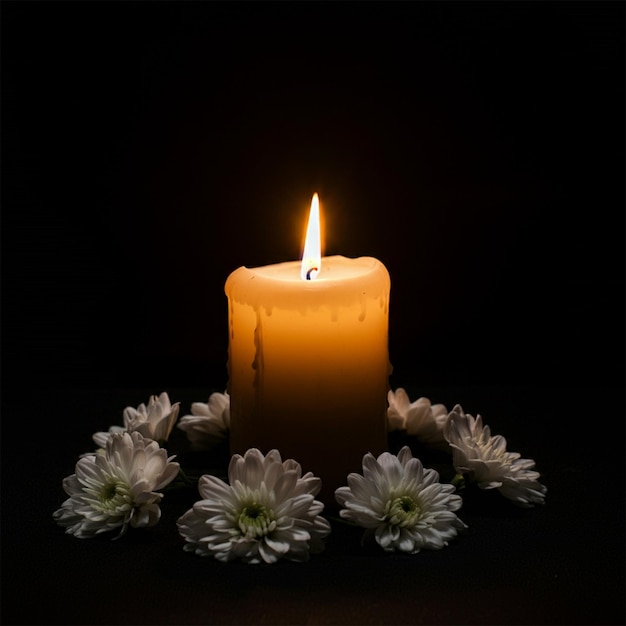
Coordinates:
(116,487)
(208,423)
(401,503)
(420,418)
(154,421)
(485,460)
(267,512)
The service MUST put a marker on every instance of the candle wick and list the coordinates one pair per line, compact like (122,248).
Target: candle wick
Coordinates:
(308,274)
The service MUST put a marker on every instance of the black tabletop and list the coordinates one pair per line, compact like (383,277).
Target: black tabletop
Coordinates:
(560,563)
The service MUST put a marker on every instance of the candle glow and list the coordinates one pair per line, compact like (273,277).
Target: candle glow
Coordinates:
(312,255)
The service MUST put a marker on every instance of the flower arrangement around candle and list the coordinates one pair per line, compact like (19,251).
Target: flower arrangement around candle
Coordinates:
(266,510)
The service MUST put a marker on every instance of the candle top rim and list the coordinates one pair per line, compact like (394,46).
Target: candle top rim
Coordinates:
(342,281)
(334,268)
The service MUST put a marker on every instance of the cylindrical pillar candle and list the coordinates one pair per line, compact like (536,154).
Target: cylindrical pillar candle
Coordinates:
(308,364)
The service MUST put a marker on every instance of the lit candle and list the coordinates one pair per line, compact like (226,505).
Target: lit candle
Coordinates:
(308,360)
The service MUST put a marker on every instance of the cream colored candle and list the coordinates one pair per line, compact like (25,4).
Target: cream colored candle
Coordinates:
(308,363)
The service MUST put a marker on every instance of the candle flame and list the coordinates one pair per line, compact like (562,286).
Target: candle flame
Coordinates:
(312,255)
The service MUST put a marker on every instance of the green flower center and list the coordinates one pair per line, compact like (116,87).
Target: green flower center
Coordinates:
(109,491)
(113,496)
(402,511)
(256,520)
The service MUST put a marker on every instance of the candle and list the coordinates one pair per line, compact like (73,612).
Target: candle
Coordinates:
(308,360)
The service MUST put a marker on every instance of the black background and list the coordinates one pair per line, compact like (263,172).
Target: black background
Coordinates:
(476,149)
(151,148)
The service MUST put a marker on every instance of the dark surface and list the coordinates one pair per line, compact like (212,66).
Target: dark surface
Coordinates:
(562,563)
(477,149)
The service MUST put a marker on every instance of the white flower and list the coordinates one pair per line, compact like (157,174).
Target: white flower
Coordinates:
(208,423)
(420,418)
(486,461)
(401,503)
(116,487)
(154,421)
(267,512)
